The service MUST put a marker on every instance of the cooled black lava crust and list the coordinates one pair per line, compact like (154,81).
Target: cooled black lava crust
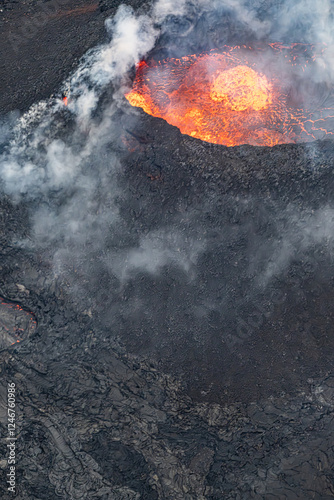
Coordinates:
(209,379)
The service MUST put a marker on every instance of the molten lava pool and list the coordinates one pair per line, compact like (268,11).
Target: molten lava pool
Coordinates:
(242,95)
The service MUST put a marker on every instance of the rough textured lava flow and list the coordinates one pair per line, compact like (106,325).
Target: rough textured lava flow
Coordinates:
(15,323)
(234,97)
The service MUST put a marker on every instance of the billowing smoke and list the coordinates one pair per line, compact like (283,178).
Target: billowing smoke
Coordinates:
(132,37)
(173,265)
(66,162)
(307,23)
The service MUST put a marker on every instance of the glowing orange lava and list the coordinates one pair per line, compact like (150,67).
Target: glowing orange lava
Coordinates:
(240,89)
(230,98)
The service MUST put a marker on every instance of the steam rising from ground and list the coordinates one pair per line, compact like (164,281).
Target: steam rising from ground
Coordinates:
(132,37)
(66,163)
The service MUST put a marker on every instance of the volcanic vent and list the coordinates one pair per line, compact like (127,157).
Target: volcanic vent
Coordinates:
(260,95)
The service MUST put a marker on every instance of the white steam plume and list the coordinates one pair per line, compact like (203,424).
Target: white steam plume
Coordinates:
(38,163)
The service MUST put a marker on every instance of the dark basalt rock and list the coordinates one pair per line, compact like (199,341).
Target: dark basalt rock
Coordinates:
(94,420)
(235,201)
(209,378)
(41,43)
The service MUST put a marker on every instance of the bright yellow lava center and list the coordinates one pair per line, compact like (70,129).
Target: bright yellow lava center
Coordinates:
(241,88)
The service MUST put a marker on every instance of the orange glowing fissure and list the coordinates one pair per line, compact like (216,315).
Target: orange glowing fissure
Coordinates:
(224,98)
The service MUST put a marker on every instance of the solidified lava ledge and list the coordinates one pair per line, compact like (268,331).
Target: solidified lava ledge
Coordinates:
(166,302)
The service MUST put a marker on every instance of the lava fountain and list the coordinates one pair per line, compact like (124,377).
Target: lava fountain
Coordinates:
(240,95)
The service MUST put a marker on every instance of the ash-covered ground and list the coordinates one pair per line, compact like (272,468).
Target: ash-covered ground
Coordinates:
(175,297)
